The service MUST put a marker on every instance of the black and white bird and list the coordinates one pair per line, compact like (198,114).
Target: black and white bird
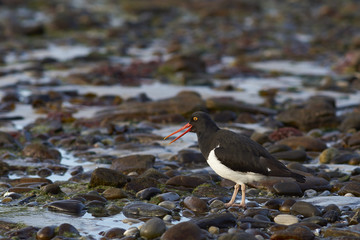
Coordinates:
(234,156)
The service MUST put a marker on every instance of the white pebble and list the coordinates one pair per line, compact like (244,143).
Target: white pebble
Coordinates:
(310,193)
(325,193)
(349,195)
(286,219)
(131,232)
(167,218)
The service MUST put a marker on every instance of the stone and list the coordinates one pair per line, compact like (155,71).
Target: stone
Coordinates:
(44,172)
(274,203)
(140,183)
(351,121)
(185,181)
(288,189)
(220,220)
(334,232)
(316,220)
(67,206)
(41,152)
(190,157)
(351,187)
(286,219)
(195,204)
(23,233)
(211,190)
(114,193)
(8,141)
(284,132)
(133,163)
(237,235)
(294,232)
(138,209)
(68,230)
(46,233)
(148,193)
(305,142)
(107,177)
(328,154)
(153,228)
(114,233)
(331,216)
(304,208)
(184,231)
(292,155)
(51,188)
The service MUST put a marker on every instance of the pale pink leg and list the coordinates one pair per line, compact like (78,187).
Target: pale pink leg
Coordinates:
(236,190)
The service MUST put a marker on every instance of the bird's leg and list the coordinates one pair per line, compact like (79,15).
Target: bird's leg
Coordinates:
(236,189)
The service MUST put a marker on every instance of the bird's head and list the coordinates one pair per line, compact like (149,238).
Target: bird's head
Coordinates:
(199,122)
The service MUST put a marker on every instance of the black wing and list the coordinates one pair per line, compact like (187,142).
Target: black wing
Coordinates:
(250,156)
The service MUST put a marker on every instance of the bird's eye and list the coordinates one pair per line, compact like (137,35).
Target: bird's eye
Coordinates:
(195,118)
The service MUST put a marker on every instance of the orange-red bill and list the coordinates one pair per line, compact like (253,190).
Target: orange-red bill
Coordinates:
(188,125)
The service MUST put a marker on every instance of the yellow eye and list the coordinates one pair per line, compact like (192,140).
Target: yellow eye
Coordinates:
(195,118)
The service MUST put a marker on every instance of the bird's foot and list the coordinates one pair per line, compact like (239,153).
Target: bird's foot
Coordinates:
(241,205)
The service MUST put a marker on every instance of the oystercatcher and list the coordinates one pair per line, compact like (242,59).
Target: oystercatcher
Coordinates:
(234,156)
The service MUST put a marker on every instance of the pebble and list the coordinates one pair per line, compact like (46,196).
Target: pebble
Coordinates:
(114,193)
(351,187)
(286,219)
(214,230)
(310,193)
(145,210)
(132,231)
(288,189)
(195,204)
(187,231)
(68,230)
(51,189)
(46,233)
(220,220)
(185,181)
(107,177)
(148,193)
(304,208)
(133,163)
(153,228)
(168,205)
(294,232)
(67,206)
(114,233)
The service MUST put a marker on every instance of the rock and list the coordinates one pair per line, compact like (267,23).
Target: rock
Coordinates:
(306,142)
(68,230)
(354,140)
(153,173)
(220,220)
(286,205)
(315,220)
(292,155)
(184,103)
(284,132)
(238,235)
(331,216)
(153,228)
(288,189)
(44,172)
(91,196)
(286,219)
(140,183)
(310,193)
(351,187)
(41,152)
(304,208)
(23,233)
(294,232)
(114,193)
(67,206)
(8,141)
(351,121)
(168,196)
(328,154)
(211,190)
(46,233)
(114,233)
(17,181)
(148,193)
(4,168)
(168,204)
(190,157)
(195,204)
(184,231)
(317,112)
(230,104)
(185,181)
(138,209)
(107,177)
(51,188)
(133,163)
(274,203)
(225,116)
(315,183)
(334,232)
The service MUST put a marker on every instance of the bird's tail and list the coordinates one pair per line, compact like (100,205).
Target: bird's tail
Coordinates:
(298,177)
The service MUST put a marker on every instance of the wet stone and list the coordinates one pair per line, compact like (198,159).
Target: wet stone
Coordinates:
(44,172)
(328,154)
(46,233)
(306,142)
(140,183)
(294,232)
(185,181)
(304,208)
(68,230)
(148,193)
(23,233)
(169,196)
(114,193)
(190,157)
(168,205)
(67,206)
(187,231)
(140,209)
(288,189)
(274,203)
(340,232)
(133,163)
(331,216)
(107,177)
(238,235)
(220,220)
(51,189)
(114,233)
(315,219)
(286,219)
(292,155)
(90,196)
(40,151)
(195,204)
(351,187)
(153,228)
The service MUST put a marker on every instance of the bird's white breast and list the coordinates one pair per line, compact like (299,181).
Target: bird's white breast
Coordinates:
(226,172)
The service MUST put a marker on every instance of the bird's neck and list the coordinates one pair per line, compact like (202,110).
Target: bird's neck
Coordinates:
(206,140)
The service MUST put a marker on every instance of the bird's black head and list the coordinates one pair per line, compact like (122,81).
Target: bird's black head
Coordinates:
(199,123)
